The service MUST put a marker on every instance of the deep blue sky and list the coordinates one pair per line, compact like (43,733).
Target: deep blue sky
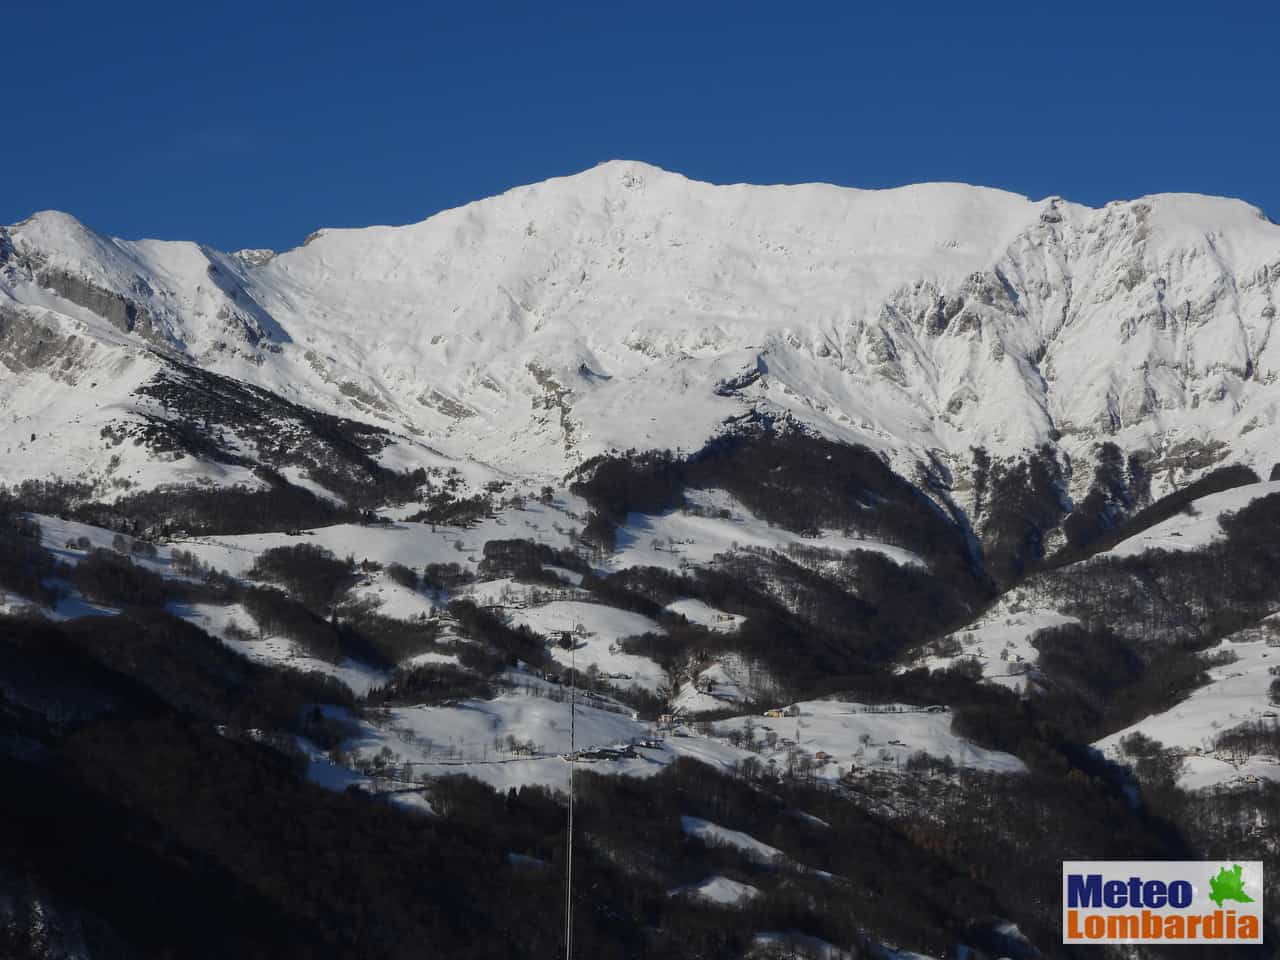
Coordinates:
(217,122)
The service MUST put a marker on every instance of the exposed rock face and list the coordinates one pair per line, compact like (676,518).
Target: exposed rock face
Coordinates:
(254,258)
(123,313)
(29,343)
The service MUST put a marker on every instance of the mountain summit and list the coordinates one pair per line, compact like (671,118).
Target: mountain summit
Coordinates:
(630,307)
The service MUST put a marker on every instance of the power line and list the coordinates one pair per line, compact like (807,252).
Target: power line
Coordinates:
(573,759)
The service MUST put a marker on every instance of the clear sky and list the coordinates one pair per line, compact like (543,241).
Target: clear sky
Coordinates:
(221,123)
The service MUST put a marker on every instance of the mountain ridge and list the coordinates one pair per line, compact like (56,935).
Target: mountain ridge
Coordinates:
(627,306)
(623,166)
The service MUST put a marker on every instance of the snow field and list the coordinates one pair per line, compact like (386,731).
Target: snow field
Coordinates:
(411,544)
(999,641)
(859,736)
(719,890)
(676,539)
(716,835)
(1237,693)
(219,621)
(705,615)
(730,681)
(1199,528)
(599,629)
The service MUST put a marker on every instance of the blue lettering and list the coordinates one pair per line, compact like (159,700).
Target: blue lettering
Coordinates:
(1180,894)
(1084,891)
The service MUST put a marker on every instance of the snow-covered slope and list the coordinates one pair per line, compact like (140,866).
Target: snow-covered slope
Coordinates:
(851,737)
(999,641)
(1237,694)
(1196,527)
(630,307)
(721,890)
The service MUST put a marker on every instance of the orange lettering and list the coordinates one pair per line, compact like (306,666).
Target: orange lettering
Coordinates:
(1151,926)
(1073,925)
(1124,927)
(1212,929)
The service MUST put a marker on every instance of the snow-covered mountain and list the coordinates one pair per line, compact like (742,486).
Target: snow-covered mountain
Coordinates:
(362,475)
(631,307)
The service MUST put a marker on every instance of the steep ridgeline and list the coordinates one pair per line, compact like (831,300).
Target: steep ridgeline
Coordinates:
(992,348)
